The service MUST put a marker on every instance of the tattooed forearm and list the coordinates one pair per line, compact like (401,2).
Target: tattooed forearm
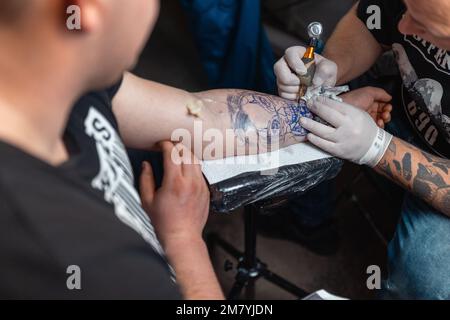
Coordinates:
(423,174)
(274,121)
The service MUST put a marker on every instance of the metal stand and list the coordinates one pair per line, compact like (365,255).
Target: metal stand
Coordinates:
(250,268)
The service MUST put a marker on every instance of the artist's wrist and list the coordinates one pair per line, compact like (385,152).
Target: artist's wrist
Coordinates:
(377,149)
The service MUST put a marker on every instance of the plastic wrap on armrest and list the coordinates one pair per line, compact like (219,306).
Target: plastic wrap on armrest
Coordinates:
(253,187)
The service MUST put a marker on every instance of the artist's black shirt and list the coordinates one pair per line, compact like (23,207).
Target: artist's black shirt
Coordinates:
(80,224)
(424,70)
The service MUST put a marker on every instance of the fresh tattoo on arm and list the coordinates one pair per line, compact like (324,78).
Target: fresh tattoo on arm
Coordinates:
(273,120)
(423,174)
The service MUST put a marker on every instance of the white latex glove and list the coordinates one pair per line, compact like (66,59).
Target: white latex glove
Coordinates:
(289,68)
(352,134)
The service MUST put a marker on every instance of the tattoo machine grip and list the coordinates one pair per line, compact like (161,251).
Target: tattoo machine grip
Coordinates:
(315,30)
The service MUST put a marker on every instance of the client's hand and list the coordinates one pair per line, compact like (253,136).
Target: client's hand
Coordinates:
(375,101)
(179,209)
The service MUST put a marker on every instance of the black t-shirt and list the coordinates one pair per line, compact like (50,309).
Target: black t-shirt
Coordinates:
(425,74)
(81,218)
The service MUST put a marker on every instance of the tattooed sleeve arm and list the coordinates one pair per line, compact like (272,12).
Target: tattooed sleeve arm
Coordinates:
(423,174)
(246,122)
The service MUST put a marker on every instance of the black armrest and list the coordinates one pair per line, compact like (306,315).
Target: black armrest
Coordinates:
(254,187)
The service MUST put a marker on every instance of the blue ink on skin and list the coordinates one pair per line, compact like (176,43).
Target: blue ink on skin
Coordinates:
(285,115)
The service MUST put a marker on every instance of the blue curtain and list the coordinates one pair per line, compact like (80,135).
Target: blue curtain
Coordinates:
(233,45)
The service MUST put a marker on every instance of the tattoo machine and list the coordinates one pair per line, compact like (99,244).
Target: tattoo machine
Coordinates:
(315,30)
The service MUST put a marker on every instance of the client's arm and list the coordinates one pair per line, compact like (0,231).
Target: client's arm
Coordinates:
(239,122)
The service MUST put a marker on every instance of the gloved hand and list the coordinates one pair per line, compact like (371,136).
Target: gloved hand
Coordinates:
(289,68)
(352,134)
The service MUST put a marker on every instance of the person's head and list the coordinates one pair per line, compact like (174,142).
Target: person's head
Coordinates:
(428,19)
(112,34)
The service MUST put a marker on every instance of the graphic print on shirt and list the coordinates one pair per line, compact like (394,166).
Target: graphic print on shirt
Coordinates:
(423,102)
(115,177)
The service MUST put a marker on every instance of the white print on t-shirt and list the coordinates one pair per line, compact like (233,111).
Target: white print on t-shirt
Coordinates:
(439,58)
(116,179)
(430,92)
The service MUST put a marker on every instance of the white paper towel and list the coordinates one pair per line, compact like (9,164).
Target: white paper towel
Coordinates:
(219,170)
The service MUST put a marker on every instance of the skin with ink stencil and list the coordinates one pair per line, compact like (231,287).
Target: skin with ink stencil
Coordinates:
(258,122)
(269,116)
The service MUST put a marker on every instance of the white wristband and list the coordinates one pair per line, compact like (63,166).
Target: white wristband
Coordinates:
(377,149)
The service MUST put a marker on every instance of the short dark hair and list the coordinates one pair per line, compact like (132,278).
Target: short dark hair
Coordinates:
(10,10)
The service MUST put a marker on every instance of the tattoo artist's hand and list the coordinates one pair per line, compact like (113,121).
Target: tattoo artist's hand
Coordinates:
(351,134)
(374,100)
(289,68)
(179,209)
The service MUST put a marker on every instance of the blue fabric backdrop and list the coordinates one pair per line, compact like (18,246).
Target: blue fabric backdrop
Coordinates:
(233,45)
